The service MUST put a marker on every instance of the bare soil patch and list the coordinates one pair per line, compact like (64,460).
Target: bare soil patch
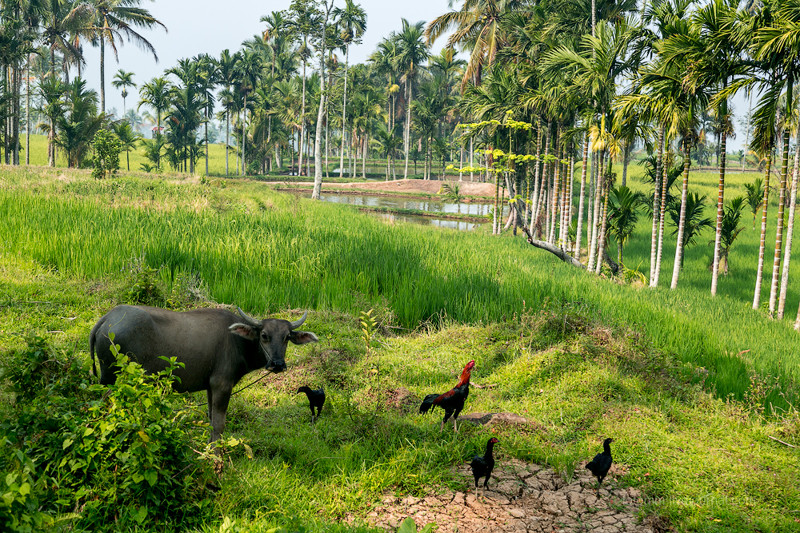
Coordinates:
(522,498)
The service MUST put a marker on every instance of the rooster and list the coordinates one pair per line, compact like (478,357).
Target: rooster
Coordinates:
(451,401)
(316,398)
(601,463)
(482,466)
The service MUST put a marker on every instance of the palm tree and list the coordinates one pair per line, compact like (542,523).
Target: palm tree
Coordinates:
(388,144)
(304,19)
(754,195)
(114,19)
(623,215)
(322,47)
(207,79)
(248,69)
(156,94)
(353,23)
(730,231)
(78,122)
(123,80)
(226,70)
(411,52)
(52,92)
(478,24)
(128,137)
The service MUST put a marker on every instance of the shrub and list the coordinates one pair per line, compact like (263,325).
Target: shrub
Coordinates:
(121,454)
(107,147)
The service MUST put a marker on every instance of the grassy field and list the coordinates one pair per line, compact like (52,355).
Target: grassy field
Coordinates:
(582,356)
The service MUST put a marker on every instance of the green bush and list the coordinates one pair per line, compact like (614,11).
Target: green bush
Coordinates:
(105,161)
(121,454)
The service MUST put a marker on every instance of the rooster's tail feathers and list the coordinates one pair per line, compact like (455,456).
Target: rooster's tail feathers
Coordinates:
(427,403)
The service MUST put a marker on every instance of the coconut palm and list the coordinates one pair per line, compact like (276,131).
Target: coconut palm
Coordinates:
(477,25)
(411,53)
(248,70)
(113,19)
(122,80)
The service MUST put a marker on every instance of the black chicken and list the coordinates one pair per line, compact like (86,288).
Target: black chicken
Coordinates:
(451,401)
(316,398)
(602,462)
(483,466)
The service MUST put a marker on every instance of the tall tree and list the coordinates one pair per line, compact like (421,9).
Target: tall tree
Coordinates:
(352,21)
(117,18)
(412,51)
(122,80)
(323,39)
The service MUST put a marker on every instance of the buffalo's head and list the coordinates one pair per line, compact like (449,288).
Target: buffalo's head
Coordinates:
(273,335)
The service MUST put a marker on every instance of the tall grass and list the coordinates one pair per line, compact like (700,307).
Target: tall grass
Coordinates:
(266,252)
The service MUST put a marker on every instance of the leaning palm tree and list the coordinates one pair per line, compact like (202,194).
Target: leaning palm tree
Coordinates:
(122,80)
(114,19)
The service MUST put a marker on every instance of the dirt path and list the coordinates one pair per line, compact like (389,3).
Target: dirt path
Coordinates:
(523,498)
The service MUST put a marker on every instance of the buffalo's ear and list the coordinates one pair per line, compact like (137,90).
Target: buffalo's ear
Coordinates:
(244,330)
(302,337)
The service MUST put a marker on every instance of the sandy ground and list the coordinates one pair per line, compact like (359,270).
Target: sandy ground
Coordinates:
(465,188)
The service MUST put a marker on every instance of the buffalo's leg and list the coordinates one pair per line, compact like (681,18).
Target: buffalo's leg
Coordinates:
(220,396)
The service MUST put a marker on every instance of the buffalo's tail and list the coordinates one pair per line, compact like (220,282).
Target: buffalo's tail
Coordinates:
(427,403)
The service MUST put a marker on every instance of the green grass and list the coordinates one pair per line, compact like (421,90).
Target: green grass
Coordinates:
(703,464)
(267,251)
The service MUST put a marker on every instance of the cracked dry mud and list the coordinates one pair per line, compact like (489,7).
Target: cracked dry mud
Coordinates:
(522,498)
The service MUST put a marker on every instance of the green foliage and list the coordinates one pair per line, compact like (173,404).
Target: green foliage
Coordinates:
(19,502)
(112,455)
(105,161)
(368,325)
(755,196)
(143,286)
(409,526)
(730,230)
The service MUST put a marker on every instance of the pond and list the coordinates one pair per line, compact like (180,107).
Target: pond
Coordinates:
(400,203)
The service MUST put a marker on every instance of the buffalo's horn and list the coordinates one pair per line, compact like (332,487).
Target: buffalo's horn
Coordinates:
(298,323)
(252,321)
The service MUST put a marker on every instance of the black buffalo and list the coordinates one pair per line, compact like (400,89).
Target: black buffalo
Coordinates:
(216,346)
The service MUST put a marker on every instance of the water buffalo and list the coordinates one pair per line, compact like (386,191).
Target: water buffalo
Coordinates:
(216,346)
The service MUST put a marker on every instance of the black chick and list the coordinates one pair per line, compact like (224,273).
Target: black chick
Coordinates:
(483,466)
(316,399)
(602,462)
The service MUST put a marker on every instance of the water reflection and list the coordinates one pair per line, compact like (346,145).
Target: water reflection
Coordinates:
(431,206)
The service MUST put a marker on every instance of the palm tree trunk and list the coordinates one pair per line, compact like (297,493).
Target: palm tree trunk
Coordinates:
(579,229)
(626,156)
(604,185)
(205,126)
(554,211)
(762,244)
(593,257)
(244,134)
(676,268)
(407,125)
(776,262)
(302,122)
(315,195)
(28,111)
(787,253)
(661,218)
(344,108)
(720,203)
(568,203)
(537,163)
(102,73)
(656,197)
(227,139)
